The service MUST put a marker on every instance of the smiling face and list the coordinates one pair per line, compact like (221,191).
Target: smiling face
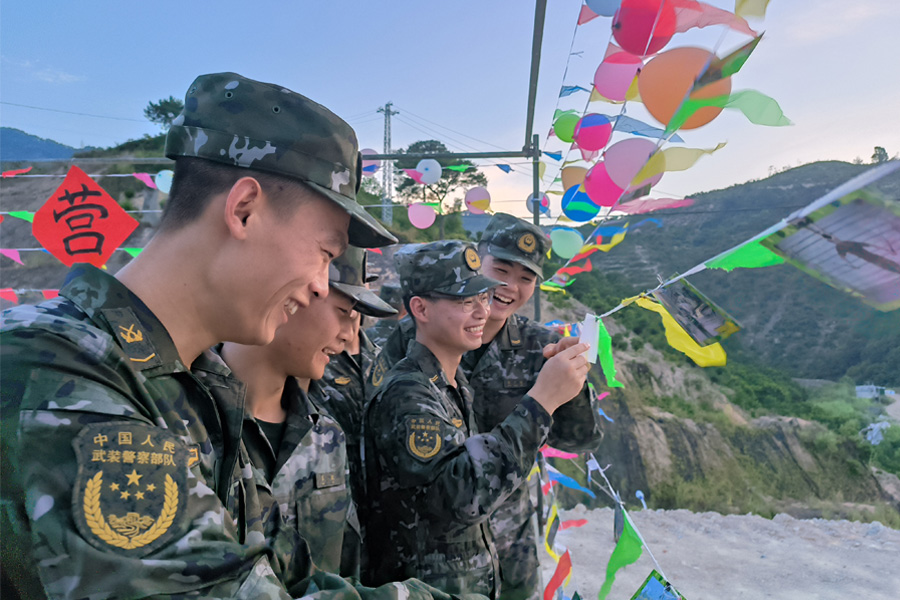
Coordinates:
(456,325)
(519,288)
(280,263)
(314,333)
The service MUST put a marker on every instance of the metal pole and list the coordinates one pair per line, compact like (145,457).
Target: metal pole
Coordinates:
(536,212)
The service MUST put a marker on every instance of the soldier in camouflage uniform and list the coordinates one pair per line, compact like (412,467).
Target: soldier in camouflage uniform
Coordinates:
(500,373)
(297,452)
(122,477)
(382,330)
(433,477)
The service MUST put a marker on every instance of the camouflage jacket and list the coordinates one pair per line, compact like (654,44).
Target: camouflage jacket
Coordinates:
(304,508)
(433,480)
(382,330)
(122,477)
(500,374)
(343,396)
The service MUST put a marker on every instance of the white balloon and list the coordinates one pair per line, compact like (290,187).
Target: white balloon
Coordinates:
(163,180)
(430,169)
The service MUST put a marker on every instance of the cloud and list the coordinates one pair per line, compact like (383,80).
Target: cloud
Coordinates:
(833,19)
(35,70)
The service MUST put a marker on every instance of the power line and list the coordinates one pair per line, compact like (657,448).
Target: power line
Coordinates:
(69,112)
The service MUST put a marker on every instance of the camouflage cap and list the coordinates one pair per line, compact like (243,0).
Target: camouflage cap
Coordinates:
(450,267)
(510,238)
(230,119)
(347,274)
(392,294)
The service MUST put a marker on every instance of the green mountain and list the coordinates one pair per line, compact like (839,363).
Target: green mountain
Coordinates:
(16,145)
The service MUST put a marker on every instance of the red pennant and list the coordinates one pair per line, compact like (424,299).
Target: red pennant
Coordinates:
(573,523)
(546,487)
(586,15)
(50,294)
(9,294)
(563,568)
(81,223)
(14,172)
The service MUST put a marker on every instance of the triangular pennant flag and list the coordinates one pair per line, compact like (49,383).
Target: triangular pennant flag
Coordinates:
(720,68)
(672,159)
(550,530)
(25,215)
(573,523)
(566,481)
(460,168)
(12,255)
(690,14)
(504,168)
(746,256)
(751,8)
(14,172)
(604,355)
(628,550)
(49,294)
(554,155)
(9,294)
(756,106)
(549,452)
(147,179)
(626,124)
(132,251)
(704,356)
(562,572)
(586,15)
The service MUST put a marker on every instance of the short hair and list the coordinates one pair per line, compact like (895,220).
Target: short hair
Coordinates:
(197,180)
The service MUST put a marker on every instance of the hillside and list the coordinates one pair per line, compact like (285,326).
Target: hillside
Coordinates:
(16,145)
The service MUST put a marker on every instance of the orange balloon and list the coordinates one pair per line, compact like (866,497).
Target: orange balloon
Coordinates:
(572,176)
(666,79)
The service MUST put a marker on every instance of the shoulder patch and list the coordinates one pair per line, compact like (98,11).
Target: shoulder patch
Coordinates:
(378,372)
(130,336)
(131,486)
(423,435)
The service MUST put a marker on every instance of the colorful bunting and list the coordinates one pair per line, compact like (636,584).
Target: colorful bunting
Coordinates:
(626,124)
(414,175)
(9,294)
(604,354)
(573,523)
(549,452)
(690,14)
(586,15)
(749,256)
(756,106)
(25,215)
(720,68)
(576,269)
(554,155)
(460,168)
(14,172)
(147,179)
(550,529)
(566,481)
(504,168)
(704,356)
(12,255)
(568,90)
(672,159)
(562,572)
(628,550)
(751,8)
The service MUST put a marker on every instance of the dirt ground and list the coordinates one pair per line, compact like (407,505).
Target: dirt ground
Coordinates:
(708,556)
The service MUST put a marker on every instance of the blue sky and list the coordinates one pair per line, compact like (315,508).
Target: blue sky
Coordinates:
(456,71)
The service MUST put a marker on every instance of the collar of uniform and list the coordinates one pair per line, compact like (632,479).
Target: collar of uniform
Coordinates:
(431,366)
(511,335)
(136,329)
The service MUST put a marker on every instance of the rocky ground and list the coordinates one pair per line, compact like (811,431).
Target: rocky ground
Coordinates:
(708,556)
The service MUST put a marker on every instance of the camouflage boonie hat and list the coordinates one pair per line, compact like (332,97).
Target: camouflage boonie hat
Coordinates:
(233,120)
(347,274)
(514,239)
(450,267)
(392,294)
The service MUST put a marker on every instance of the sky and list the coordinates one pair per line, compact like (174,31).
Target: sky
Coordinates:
(457,72)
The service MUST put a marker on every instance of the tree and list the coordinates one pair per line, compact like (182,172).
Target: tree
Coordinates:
(880,155)
(164,111)
(449,191)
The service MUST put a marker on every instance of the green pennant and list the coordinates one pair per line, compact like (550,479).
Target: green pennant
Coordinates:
(132,251)
(627,551)
(460,168)
(22,214)
(748,256)
(756,106)
(604,354)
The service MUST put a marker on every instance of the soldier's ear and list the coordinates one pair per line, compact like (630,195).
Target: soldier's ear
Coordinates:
(418,308)
(243,202)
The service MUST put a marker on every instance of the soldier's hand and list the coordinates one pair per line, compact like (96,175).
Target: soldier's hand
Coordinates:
(551,350)
(561,377)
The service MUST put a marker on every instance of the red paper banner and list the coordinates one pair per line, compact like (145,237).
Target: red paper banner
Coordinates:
(81,223)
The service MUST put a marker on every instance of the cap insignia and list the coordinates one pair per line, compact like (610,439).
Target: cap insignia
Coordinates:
(472,259)
(527,243)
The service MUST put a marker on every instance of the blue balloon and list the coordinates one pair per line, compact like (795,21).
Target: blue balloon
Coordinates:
(604,8)
(577,205)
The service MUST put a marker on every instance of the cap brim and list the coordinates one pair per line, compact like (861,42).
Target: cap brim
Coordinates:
(504,254)
(365,231)
(367,302)
(470,287)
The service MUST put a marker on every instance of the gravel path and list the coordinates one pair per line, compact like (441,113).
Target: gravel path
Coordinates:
(708,556)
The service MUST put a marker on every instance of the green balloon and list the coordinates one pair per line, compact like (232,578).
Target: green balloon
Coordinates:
(564,127)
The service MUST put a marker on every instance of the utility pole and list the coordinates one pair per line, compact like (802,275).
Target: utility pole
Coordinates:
(387,210)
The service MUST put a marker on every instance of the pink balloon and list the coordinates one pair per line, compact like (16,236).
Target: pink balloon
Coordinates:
(421,215)
(592,132)
(624,159)
(478,200)
(599,187)
(615,74)
(369,166)
(643,27)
